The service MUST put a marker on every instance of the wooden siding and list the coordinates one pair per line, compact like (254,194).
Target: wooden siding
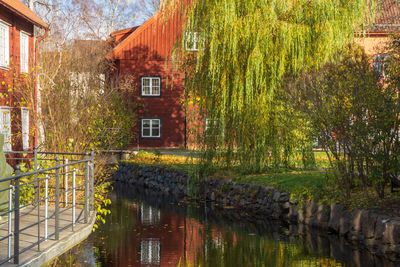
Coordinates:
(168,107)
(145,52)
(154,40)
(9,76)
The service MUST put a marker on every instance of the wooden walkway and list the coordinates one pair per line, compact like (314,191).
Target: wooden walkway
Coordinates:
(51,248)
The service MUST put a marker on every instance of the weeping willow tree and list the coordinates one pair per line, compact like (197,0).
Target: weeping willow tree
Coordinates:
(245,49)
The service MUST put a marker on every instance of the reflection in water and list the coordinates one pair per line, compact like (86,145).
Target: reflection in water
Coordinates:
(150,251)
(149,215)
(153,231)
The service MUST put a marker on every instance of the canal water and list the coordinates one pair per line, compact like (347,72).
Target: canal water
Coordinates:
(146,230)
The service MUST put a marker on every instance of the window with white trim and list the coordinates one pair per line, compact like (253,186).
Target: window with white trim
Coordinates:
(25,128)
(213,127)
(4,45)
(149,215)
(150,250)
(192,41)
(151,128)
(151,86)
(381,63)
(5,127)
(24,52)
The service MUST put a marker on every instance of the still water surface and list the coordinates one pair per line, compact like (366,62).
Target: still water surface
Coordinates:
(145,230)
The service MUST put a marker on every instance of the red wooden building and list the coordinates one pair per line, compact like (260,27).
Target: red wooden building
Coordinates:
(18,86)
(144,52)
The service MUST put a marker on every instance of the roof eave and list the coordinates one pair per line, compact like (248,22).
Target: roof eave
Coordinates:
(40,23)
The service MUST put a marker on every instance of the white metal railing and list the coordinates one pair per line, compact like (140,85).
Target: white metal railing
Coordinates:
(52,196)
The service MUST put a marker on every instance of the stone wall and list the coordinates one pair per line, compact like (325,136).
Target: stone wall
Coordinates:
(375,229)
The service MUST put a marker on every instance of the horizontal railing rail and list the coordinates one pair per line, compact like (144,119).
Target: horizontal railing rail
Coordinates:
(44,202)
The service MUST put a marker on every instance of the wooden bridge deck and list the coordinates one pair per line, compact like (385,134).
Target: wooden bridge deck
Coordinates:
(51,248)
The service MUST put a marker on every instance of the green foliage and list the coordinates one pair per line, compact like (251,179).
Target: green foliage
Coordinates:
(355,118)
(246,48)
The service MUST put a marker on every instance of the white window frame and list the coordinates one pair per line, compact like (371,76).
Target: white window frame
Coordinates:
(149,215)
(5,127)
(150,251)
(215,122)
(152,122)
(380,64)
(4,45)
(25,128)
(151,85)
(193,37)
(24,52)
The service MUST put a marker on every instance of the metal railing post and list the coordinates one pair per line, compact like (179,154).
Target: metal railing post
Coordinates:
(92,180)
(16,215)
(57,208)
(10,233)
(37,191)
(46,208)
(66,183)
(86,212)
(73,198)
(35,155)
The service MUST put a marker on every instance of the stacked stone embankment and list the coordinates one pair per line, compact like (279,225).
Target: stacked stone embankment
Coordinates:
(377,230)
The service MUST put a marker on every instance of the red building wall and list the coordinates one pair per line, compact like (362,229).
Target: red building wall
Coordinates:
(169,107)
(11,79)
(146,52)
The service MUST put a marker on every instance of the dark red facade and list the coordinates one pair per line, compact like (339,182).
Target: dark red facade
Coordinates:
(145,52)
(17,87)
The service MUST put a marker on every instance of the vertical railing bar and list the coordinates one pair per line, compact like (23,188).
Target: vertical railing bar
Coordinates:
(35,154)
(66,183)
(73,199)
(46,208)
(57,207)
(38,207)
(92,180)
(37,191)
(16,214)
(86,211)
(10,233)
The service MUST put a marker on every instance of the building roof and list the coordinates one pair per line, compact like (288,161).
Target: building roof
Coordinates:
(387,18)
(153,38)
(21,9)
(118,36)
(114,53)
(388,13)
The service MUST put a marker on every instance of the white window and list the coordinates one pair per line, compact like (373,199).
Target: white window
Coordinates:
(209,125)
(192,41)
(151,86)
(4,45)
(151,128)
(25,128)
(24,52)
(150,250)
(5,127)
(213,127)
(149,215)
(381,63)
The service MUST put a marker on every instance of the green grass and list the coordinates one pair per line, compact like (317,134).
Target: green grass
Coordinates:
(304,184)
(287,181)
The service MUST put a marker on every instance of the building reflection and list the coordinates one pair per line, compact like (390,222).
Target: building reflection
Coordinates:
(150,252)
(149,215)
(142,235)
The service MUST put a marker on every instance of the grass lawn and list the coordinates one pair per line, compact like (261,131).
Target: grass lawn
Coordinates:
(307,184)
(288,181)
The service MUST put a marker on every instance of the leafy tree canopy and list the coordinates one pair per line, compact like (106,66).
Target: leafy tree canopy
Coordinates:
(245,50)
